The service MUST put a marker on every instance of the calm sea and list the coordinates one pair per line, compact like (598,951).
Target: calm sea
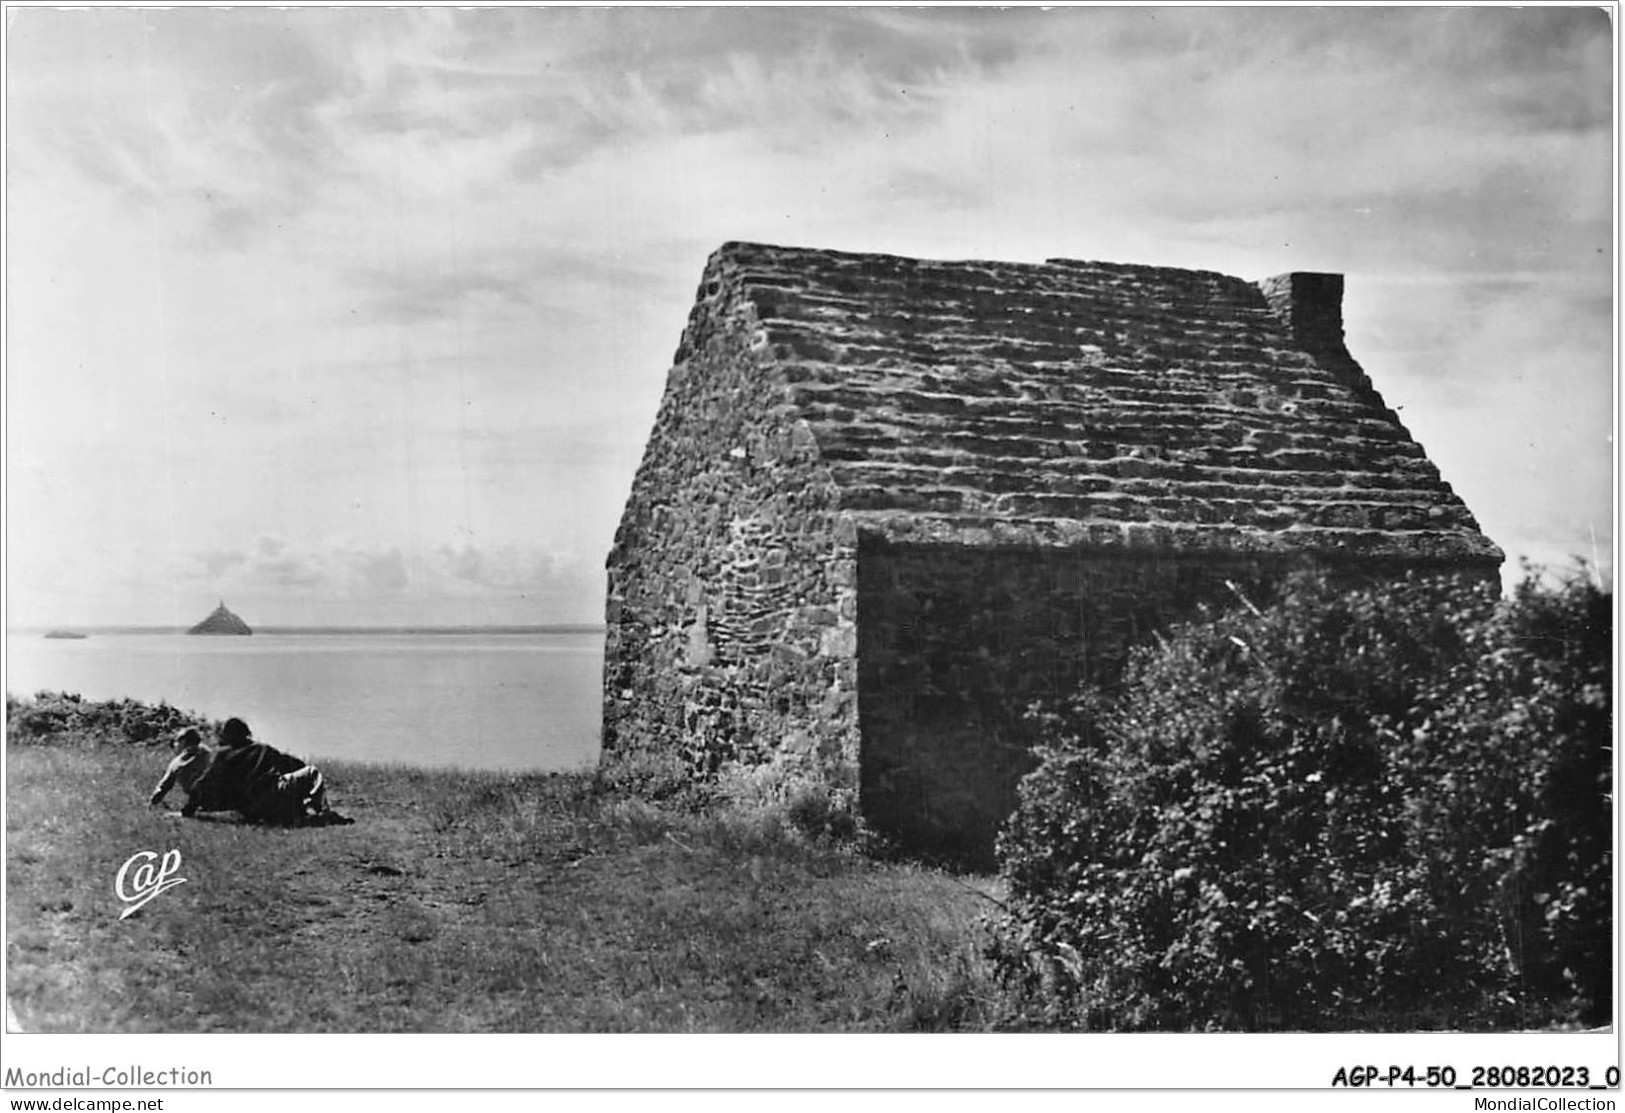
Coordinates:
(519,701)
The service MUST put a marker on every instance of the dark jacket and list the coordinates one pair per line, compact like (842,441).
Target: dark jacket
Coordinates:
(248,775)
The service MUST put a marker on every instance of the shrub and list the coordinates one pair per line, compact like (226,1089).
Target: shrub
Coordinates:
(1356,809)
(1537,700)
(66,718)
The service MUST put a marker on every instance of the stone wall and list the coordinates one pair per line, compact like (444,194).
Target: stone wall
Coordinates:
(732,582)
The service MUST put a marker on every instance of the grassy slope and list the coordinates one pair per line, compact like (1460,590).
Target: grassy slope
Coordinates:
(466,903)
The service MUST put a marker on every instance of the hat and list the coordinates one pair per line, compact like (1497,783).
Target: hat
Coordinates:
(234,731)
(186,735)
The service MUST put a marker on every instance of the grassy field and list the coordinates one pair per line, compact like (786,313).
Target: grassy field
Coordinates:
(462,902)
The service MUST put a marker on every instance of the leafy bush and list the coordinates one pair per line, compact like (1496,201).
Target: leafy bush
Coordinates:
(66,718)
(1354,810)
(1538,699)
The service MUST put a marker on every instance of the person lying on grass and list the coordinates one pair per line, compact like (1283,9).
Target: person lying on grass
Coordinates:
(267,785)
(190,770)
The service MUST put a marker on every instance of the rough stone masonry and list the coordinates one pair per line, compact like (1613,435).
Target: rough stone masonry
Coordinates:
(889,503)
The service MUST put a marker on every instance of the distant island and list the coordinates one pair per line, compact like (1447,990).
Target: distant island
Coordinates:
(221,621)
(64,634)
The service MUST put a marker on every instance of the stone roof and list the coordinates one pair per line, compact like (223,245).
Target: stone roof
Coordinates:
(1092,404)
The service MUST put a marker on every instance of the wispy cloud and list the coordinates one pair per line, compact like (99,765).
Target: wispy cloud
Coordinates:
(415,275)
(425,297)
(275,574)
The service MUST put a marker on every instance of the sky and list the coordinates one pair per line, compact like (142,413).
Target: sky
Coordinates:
(362,315)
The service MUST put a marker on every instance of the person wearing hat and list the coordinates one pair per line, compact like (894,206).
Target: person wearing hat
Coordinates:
(265,784)
(190,770)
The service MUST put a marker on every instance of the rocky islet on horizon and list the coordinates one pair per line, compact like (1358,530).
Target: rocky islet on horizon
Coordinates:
(221,621)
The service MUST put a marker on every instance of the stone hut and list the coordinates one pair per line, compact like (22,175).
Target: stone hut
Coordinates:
(889,503)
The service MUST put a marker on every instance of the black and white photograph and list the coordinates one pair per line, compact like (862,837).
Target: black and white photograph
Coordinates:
(1085,529)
